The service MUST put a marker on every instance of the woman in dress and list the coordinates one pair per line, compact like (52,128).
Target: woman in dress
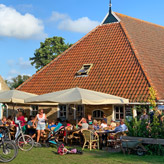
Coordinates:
(41,125)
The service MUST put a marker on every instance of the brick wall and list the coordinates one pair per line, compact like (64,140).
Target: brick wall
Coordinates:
(107,109)
(51,111)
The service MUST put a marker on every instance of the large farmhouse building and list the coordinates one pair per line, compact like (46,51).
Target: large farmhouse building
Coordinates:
(123,56)
(3,87)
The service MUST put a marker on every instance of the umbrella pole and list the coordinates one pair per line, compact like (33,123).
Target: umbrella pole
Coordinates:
(13,110)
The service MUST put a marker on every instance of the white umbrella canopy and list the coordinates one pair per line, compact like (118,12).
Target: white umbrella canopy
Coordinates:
(78,96)
(14,96)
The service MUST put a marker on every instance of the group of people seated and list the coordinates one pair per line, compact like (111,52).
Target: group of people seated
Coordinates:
(36,126)
(102,125)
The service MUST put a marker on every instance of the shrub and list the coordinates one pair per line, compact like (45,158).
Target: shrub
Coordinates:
(142,128)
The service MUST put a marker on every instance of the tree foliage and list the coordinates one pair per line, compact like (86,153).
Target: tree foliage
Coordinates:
(152,98)
(48,50)
(16,81)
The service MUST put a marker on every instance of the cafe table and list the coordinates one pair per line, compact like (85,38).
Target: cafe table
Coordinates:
(103,137)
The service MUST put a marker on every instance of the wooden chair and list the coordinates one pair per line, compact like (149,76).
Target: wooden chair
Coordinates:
(115,140)
(45,135)
(76,137)
(90,139)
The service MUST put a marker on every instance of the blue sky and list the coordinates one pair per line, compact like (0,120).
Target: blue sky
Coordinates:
(26,23)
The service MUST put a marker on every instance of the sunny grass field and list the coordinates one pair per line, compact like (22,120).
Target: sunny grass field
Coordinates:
(49,156)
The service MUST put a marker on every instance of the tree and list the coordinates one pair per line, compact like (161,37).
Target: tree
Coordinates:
(48,50)
(16,81)
(152,97)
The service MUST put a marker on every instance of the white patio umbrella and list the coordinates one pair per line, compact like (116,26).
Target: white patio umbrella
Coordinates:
(14,96)
(78,96)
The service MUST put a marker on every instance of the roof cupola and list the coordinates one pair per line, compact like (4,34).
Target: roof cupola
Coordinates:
(110,17)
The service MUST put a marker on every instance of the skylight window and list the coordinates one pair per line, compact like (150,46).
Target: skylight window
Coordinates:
(84,70)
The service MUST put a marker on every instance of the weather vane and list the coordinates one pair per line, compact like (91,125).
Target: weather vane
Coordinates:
(110,3)
(110,6)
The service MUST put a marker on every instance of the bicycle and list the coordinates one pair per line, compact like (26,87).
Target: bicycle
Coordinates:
(8,149)
(24,141)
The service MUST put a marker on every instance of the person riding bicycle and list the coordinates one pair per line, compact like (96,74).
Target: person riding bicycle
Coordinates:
(41,125)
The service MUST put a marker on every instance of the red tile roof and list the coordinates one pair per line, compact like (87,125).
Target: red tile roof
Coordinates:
(148,42)
(126,57)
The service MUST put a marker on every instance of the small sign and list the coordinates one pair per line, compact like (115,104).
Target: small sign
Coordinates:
(160,107)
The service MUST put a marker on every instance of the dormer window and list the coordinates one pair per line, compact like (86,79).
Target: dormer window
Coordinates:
(84,70)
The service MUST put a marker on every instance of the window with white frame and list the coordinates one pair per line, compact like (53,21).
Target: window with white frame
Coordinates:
(34,110)
(62,111)
(98,114)
(119,112)
(79,111)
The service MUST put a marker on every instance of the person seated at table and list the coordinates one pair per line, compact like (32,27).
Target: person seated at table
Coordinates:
(95,125)
(31,127)
(3,121)
(89,120)
(83,124)
(113,124)
(104,118)
(10,121)
(51,125)
(103,124)
(68,123)
(68,127)
(113,132)
(123,126)
(117,128)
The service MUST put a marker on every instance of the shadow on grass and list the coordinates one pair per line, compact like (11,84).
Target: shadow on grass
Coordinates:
(125,159)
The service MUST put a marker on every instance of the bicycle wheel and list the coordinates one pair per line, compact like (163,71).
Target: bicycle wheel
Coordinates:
(25,143)
(8,151)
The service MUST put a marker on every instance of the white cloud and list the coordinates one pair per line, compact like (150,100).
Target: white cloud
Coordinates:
(20,63)
(14,24)
(81,25)
(58,16)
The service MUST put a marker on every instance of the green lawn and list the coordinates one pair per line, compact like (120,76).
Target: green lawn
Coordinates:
(49,156)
